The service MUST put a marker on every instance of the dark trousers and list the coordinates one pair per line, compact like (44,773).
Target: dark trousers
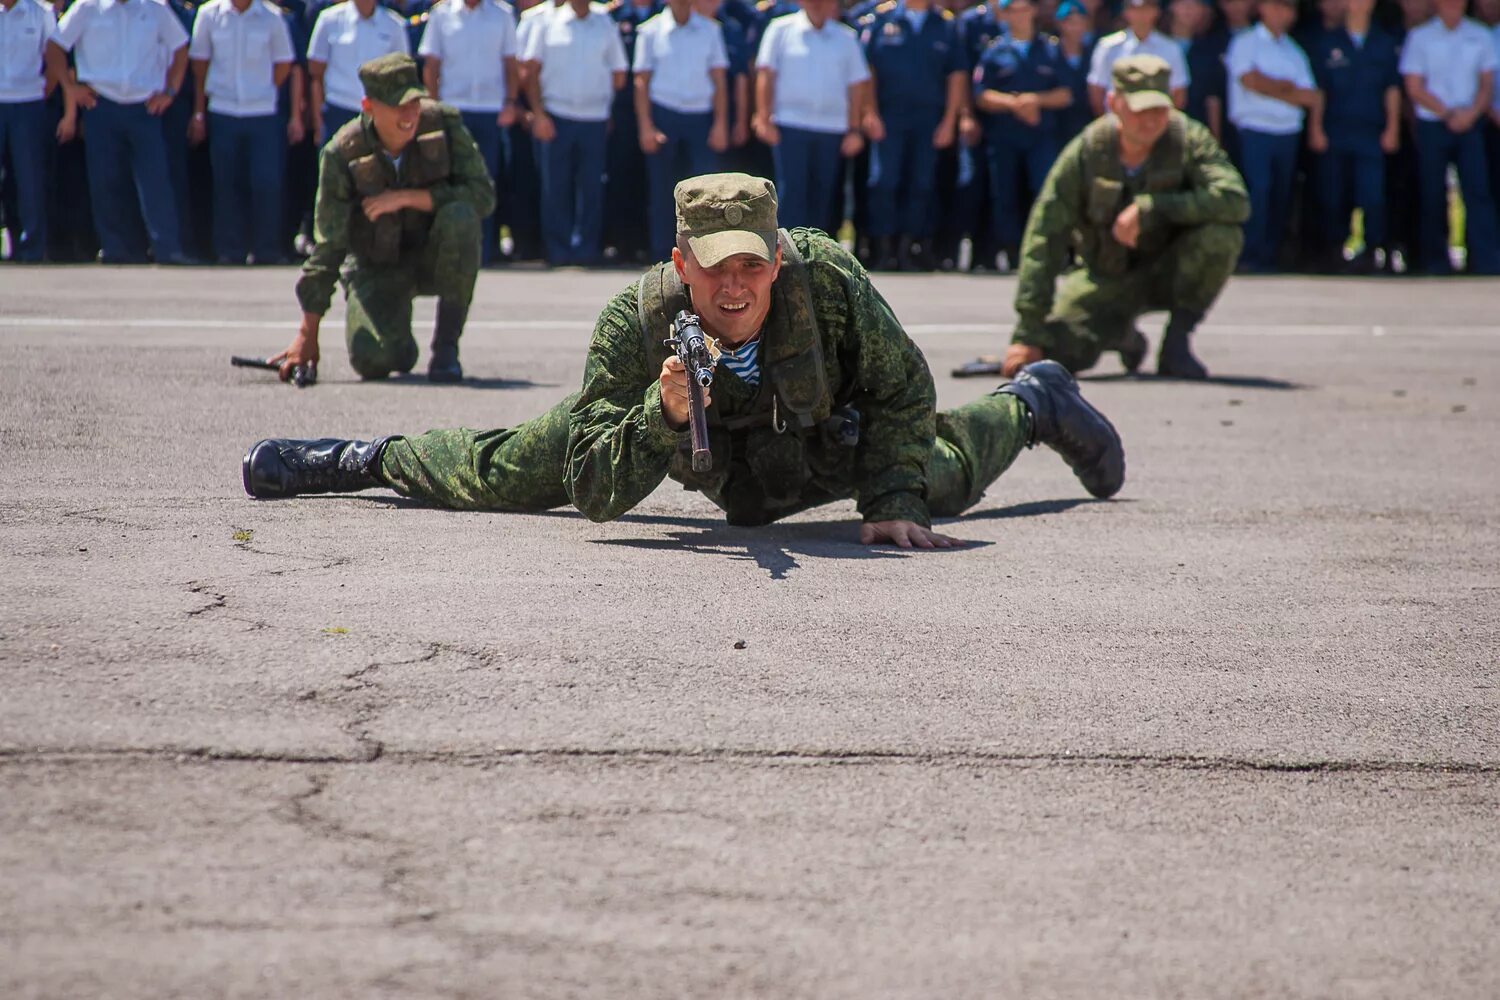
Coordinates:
(1352,178)
(684,154)
(25,135)
(333,120)
(808,167)
(1009,166)
(249,161)
(494,145)
(572,169)
(524,211)
(1270,164)
(626,228)
(127,160)
(1436,148)
(903,171)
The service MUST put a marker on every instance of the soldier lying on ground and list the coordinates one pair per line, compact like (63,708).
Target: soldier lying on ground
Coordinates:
(808,350)
(1153,207)
(402,193)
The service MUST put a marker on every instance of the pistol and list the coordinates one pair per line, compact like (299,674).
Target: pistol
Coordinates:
(302,375)
(691,347)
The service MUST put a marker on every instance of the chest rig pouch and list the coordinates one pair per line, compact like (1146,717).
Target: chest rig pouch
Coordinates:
(769,433)
(1108,190)
(428,161)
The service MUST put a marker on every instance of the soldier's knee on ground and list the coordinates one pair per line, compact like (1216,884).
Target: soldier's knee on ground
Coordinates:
(373,358)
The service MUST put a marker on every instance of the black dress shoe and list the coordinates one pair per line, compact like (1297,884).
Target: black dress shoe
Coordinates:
(281,467)
(1064,421)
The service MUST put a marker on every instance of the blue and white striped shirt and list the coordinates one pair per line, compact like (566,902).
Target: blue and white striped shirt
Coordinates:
(744,361)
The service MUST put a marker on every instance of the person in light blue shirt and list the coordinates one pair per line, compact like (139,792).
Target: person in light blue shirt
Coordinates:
(130,59)
(32,65)
(471,62)
(1449,67)
(344,38)
(241,53)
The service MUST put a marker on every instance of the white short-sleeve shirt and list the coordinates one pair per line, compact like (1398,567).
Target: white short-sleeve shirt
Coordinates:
(1279,58)
(1449,62)
(242,50)
(579,57)
(814,67)
(122,49)
(343,41)
(473,44)
(679,58)
(25,30)
(1126,43)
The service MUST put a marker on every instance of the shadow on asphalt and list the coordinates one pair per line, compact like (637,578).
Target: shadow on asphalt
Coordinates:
(1033,509)
(1233,381)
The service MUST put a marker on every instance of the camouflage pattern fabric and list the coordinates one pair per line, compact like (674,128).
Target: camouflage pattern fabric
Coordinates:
(609,447)
(1192,202)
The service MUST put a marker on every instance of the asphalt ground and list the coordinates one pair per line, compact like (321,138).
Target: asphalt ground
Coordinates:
(1233,734)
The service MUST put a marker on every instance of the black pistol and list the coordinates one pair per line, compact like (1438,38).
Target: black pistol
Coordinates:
(691,347)
(302,375)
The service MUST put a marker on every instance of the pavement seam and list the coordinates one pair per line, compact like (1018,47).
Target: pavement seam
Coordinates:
(1184,762)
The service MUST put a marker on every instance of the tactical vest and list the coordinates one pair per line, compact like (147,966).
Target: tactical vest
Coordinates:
(1109,190)
(785,437)
(427,161)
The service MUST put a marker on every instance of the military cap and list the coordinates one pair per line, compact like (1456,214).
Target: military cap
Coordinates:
(1144,81)
(391,79)
(725,214)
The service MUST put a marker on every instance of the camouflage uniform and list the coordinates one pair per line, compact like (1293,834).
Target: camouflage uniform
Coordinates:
(1192,202)
(607,448)
(385,264)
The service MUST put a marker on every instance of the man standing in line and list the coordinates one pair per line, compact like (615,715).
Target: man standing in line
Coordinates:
(241,54)
(811,88)
(1140,37)
(681,106)
(575,63)
(131,57)
(344,38)
(33,67)
(1449,67)
(469,63)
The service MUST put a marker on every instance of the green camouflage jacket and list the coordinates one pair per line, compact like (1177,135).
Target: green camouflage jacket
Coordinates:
(468,180)
(1187,181)
(620,447)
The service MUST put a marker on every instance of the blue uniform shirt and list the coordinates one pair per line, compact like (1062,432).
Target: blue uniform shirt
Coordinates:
(1354,79)
(1019,68)
(911,65)
(978,27)
(1075,76)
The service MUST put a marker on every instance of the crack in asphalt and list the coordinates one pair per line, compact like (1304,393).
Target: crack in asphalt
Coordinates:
(217,601)
(708,756)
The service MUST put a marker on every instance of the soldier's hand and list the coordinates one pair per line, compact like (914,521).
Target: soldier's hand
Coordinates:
(944,134)
(296,130)
(851,145)
(1317,140)
(1127,228)
(157,104)
(67,128)
(873,127)
(542,128)
(84,97)
(906,535)
(674,393)
(741,134)
(507,116)
(969,130)
(766,131)
(384,203)
(651,140)
(1390,139)
(718,138)
(197,131)
(302,350)
(319,134)
(1018,356)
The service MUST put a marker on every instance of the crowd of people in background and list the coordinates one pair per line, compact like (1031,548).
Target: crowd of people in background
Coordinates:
(154,130)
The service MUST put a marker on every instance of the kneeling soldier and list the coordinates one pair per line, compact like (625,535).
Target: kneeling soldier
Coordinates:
(402,193)
(819,395)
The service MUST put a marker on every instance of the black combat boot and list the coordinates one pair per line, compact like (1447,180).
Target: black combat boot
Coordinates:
(443,365)
(1133,352)
(1064,421)
(280,467)
(1175,359)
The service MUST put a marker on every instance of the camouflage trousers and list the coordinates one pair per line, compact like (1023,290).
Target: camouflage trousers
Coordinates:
(1096,313)
(377,321)
(521,468)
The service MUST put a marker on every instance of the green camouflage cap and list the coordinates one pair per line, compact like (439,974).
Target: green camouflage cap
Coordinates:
(1144,82)
(391,79)
(725,214)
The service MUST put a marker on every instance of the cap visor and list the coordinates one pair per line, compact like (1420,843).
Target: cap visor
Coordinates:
(412,94)
(1145,100)
(716,247)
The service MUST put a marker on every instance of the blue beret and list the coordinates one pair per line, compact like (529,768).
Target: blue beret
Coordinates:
(1068,8)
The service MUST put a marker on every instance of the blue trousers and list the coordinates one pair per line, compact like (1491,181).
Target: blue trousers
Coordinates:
(1351,178)
(1436,148)
(903,170)
(25,135)
(572,169)
(127,160)
(684,154)
(1010,165)
(335,119)
(494,145)
(808,170)
(249,161)
(1270,164)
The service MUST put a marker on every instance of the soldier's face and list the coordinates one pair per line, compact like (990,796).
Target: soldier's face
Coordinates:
(1140,128)
(734,296)
(1142,19)
(1277,16)
(820,12)
(395,124)
(1488,10)
(1451,11)
(1021,15)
